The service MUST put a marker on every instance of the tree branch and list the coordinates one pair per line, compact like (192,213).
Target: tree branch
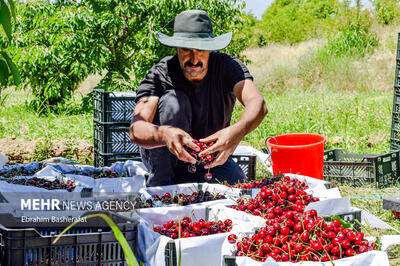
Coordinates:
(130,55)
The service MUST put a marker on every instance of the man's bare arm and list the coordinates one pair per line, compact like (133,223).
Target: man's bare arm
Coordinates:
(253,101)
(228,139)
(142,131)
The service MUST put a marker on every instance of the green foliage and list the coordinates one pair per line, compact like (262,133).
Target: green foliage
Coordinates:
(59,45)
(386,11)
(5,18)
(7,66)
(297,20)
(4,73)
(353,40)
(42,150)
(251,31)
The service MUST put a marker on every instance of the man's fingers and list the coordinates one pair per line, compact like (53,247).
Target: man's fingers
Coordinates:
(185,156)
(210,150)
(181,153)
(221,159)
(189,142)
(211,138)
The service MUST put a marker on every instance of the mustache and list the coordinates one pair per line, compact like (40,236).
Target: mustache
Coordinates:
(190,64)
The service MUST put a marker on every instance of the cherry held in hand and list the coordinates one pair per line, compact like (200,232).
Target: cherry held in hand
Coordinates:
(209,158)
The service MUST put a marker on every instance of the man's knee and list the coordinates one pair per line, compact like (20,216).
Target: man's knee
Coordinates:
(160,162)
(229,172)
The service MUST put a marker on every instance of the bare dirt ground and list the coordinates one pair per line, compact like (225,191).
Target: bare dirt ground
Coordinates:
(25,151)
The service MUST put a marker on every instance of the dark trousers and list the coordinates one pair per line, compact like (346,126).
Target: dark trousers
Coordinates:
(174,109)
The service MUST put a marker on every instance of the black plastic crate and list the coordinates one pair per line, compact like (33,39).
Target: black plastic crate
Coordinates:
(113,106)
(361,169)
(392,203)
(94,245)
(101,159)
(229,260)
(353,218)
(170,254)
(247,163)
(112,138)
(395,132)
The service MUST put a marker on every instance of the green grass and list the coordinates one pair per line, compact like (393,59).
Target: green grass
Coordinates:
(362,119)
(370,199)
(17,120)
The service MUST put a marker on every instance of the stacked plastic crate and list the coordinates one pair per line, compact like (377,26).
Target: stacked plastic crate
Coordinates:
(112,114)
(395,135)
(393,203)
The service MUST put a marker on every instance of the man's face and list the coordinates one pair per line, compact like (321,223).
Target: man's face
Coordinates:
(194,63)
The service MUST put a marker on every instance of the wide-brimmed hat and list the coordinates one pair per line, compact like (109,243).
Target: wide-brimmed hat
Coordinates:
(193,30)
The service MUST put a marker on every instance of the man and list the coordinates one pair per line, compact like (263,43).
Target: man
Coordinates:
(189,96)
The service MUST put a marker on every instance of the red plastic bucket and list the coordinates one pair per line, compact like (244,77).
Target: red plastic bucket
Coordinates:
(298,153)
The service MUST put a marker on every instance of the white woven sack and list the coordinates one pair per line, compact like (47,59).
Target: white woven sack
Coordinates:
(201,250)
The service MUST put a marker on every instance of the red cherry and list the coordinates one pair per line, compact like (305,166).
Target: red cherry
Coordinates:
(196,229)
(208,176)
(317,246)
(360,234)
(351,236)
(305,237)
(268,239)
(305,257)
(350,252)
(316,258)
(362,249)
(346,244)
(298,228)
(298,247)
(285,230)
(285,257)
(232,238)
(262,234)
(336,223)
(228,222)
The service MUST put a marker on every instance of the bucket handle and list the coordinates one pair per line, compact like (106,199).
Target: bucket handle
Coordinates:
(266,150)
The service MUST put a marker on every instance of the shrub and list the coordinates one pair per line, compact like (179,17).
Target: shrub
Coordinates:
(354,40)
(7,66)
(60,44)
(386,11)
(297,20)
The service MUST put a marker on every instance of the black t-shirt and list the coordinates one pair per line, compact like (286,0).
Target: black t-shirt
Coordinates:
(212,98)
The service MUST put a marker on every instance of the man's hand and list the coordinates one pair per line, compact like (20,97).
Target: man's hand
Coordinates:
(176,139)
(226,141)
(229,138)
